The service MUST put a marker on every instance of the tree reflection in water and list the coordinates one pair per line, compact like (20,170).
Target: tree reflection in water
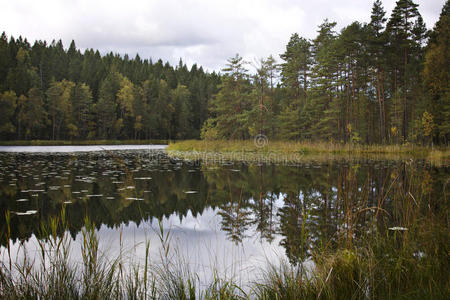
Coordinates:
(307,206)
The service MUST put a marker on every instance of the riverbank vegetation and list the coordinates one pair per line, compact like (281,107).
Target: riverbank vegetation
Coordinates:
(385,81)
(292,151)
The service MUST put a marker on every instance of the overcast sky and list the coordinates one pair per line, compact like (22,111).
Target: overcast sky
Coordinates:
(206,32)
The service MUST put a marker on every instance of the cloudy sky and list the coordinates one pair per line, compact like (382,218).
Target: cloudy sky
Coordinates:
(203,31)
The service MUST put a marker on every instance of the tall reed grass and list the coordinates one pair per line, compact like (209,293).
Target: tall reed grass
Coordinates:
(296,146)
(298,151)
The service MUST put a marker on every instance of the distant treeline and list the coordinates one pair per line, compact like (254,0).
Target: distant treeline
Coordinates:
(382,82)
(48,92)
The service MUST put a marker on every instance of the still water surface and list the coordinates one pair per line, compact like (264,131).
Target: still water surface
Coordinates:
(231,217)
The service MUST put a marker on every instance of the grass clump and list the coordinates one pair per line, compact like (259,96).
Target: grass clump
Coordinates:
(385,268)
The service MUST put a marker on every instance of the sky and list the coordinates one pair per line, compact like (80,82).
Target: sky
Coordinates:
(206,32)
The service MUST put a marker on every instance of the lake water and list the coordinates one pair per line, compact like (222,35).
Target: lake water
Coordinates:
(231,217)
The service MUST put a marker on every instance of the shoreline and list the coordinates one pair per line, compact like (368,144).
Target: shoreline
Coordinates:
(81,142)
(292,151)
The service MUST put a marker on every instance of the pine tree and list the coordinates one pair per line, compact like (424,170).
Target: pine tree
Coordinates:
(402,42)
(8,101)
(377,42)
(181,126)
(436,75)
(81,99)
(60,107)
(106,106)
(324,102)
(295,70)
(35,114)
(232,104)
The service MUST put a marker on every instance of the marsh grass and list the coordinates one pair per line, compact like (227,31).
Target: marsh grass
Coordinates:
(374,263)
(296,151)
(370,263)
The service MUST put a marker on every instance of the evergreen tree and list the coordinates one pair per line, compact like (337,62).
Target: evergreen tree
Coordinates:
(325,106)
(81,99)
(33,115)
(376,46)
(231,106)
(8,101)
(436,75)
(295,70)
(402,41)
(181,125)
(60,108)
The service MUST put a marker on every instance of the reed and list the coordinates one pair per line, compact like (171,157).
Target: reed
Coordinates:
(305,147)
(288,152)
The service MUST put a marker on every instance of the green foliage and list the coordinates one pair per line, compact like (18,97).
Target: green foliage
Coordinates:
(295,70)
(377,79)
(8,101)
(232,105)
(87,96)
(436,75)
(60,107)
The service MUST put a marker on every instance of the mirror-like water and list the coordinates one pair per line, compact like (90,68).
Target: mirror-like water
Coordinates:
(233,217)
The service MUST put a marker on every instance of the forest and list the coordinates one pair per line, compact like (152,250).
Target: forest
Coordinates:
(386,81)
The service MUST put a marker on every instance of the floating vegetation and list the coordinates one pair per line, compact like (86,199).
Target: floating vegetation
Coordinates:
(28,212)
(397,228)
(191,192)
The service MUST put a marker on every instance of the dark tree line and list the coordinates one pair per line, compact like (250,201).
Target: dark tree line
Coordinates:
(385,81)
(48,92)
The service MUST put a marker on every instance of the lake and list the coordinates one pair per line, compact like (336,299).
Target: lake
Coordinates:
(231,217)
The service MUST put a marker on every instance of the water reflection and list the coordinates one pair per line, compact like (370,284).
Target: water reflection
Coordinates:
(300,208)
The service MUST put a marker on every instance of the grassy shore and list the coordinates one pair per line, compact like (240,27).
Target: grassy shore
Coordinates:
(81,142)
(299,151)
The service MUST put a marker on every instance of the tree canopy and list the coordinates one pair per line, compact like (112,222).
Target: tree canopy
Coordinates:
(386,81)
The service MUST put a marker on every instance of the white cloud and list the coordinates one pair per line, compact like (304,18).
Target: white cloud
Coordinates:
(203,31)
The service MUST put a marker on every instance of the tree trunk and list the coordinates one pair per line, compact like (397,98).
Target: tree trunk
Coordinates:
(304,86)
(380,107)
